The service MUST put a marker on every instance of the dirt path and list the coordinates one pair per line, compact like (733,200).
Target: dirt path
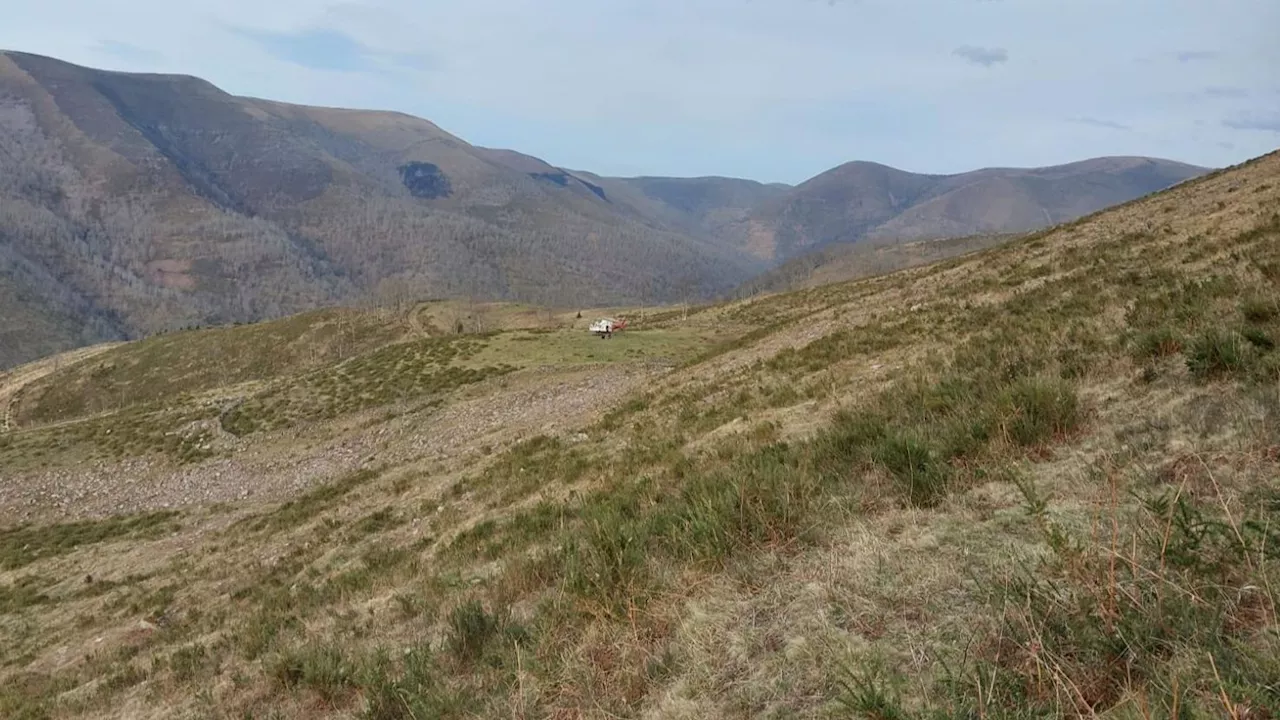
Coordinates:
(415,322)
(12,382)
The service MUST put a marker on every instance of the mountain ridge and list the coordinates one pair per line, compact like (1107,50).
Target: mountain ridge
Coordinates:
(863,199)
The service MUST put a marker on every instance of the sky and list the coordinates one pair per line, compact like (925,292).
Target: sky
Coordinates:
(773,90)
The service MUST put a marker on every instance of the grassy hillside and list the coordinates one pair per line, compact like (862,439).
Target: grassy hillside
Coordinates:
(841,262)
(1041,480)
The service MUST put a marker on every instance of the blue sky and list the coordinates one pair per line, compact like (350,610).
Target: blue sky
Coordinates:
(775,90)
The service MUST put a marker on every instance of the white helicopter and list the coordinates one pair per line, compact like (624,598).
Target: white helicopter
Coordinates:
(606,327)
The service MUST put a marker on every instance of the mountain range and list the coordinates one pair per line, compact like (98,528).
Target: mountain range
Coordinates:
(132,204)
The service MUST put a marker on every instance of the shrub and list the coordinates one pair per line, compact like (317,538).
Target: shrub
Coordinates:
(1040,410)
(323,669)
(1259,339)
(1215,353)
(1158,343)
(923,476)
(471,627)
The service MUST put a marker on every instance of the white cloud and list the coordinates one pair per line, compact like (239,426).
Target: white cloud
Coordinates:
(1100,123)
(1262,121)
(982,56)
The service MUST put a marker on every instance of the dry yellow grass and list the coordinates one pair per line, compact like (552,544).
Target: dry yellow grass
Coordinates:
(850,482)
(14,381)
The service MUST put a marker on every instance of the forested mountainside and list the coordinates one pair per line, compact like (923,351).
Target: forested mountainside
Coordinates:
(137,203)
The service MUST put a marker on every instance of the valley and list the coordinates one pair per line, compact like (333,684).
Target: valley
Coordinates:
(136,204)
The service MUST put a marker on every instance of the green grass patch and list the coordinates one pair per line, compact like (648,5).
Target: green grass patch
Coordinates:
(307,507)
(1158,343)
(395,373)
(836,347)
(26,544)
(1260,339)
(579,347)
(22,593)
(1217,353)
(166,366)
(141,431)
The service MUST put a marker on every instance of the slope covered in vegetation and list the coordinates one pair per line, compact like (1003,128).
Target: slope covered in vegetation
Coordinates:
(1042,480)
